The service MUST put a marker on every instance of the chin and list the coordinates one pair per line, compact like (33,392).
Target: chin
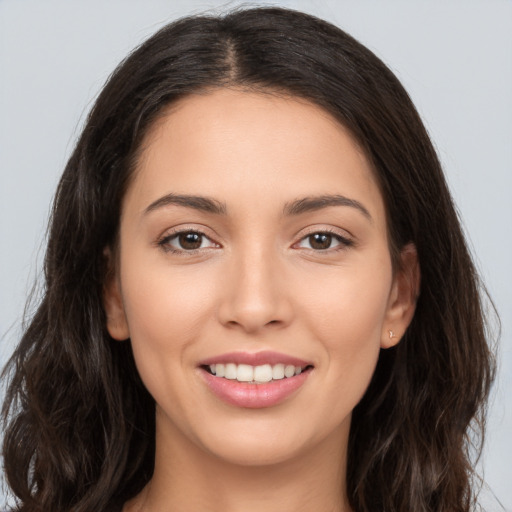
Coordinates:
(264,443)
(257,453)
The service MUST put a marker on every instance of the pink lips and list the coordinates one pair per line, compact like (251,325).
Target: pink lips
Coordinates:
(254,396)
(266,357)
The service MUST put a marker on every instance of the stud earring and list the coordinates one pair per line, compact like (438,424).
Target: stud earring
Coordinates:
(391,335)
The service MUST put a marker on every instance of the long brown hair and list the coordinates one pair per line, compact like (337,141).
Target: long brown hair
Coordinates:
(80,424)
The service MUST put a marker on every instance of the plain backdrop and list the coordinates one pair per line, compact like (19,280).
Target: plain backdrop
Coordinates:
(454,58)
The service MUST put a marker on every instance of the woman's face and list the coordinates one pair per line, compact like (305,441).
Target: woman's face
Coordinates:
(253,239)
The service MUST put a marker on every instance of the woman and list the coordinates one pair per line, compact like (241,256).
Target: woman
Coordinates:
(258,295)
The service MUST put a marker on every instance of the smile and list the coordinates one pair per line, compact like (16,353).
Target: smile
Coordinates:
(255,380)
(255,374)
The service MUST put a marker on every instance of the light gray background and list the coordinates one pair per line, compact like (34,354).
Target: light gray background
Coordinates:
(454,58)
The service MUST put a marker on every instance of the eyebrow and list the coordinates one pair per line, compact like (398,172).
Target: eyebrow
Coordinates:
(204,204)
(297,207)
(313,203)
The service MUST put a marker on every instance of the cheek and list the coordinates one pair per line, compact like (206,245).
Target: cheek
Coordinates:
(349,304)
(160,298)
(166,309)
(346,315)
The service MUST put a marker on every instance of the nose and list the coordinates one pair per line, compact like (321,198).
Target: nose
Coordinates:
(255,294)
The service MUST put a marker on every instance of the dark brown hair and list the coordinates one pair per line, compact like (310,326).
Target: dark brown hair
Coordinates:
(79,423)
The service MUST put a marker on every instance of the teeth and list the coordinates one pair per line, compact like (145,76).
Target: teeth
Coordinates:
(230,371)
(244,373)
(258,374)
(278,371)
(289,370)
(263,373)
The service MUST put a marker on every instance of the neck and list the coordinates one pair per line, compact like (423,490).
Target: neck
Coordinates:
(188,478)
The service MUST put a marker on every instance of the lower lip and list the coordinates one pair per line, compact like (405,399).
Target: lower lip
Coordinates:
(254,396)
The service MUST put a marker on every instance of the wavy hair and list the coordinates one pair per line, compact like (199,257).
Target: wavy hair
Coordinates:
(79,424)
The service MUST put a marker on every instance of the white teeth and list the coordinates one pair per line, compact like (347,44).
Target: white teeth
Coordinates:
(230,371)
(289,370)
(244,373)
(278,371)
(257,374)
(263,373)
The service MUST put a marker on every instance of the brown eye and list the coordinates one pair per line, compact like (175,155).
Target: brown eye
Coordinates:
(186,241)
(324,241)
(190,241)
(320,241)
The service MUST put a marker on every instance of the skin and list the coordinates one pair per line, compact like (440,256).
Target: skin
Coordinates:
(258,282)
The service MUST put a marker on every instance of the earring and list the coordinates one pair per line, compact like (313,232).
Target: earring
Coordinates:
(391,334)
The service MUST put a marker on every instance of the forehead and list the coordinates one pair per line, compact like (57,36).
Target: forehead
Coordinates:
(237,145)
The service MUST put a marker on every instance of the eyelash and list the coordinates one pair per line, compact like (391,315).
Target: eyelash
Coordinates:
(344,242)
(164,242)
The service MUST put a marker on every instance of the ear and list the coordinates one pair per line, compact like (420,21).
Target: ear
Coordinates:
(403,297)
(117,325)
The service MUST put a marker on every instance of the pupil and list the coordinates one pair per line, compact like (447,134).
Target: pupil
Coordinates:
(190,240)
(320,241)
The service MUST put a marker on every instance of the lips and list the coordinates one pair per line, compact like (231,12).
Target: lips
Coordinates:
(255,374)
(255,359)
(262,379)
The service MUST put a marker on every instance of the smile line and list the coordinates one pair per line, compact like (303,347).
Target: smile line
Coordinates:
(260,374)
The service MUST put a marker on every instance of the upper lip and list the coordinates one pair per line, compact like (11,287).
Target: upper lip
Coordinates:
(255,359)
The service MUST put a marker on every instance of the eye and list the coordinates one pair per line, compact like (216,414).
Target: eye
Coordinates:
(186,241)
(324,240)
